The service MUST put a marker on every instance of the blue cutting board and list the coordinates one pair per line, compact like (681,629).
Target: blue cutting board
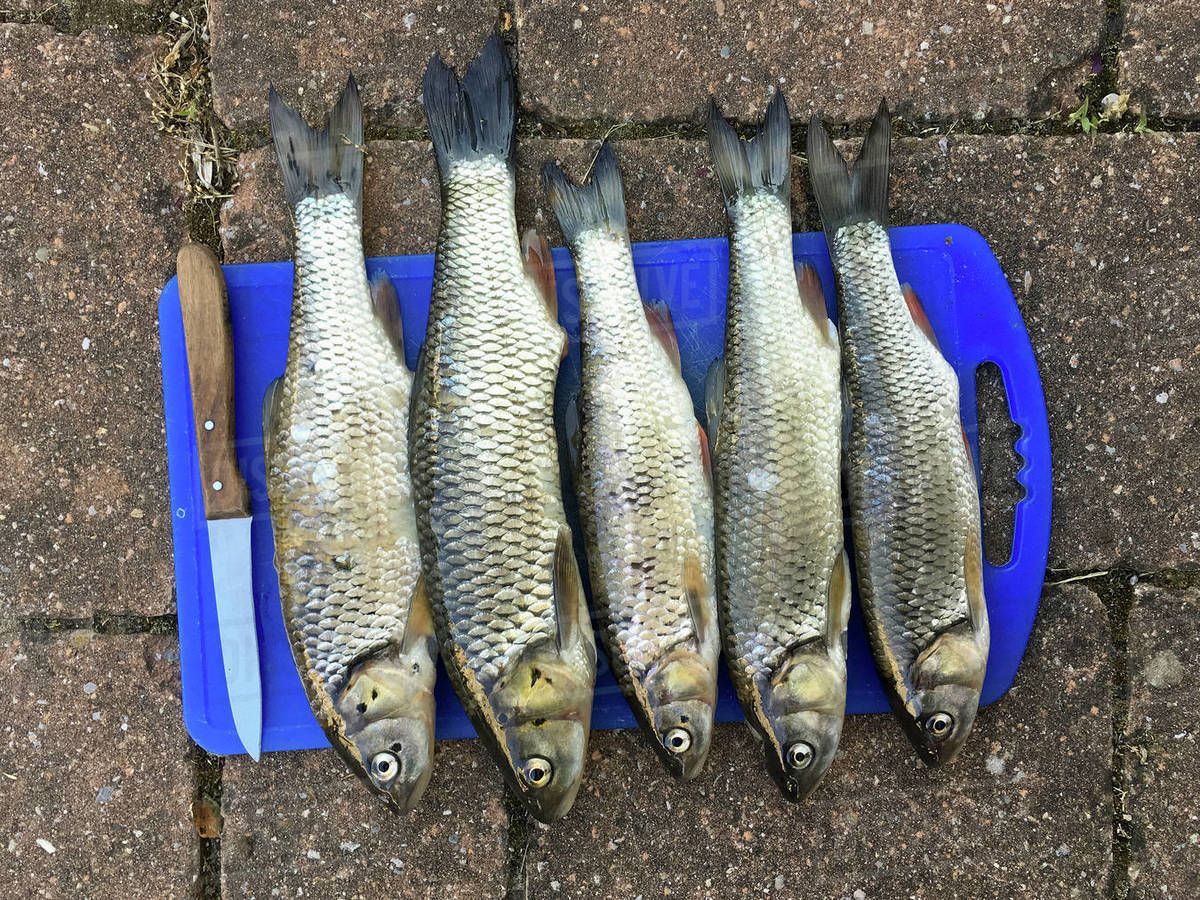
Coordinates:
(950,266)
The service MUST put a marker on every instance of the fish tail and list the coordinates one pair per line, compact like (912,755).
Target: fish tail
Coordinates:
(320,162)
(599,203)
(763,163)
(844,196)
(471,118)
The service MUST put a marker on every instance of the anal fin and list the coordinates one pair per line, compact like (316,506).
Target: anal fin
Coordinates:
(659,317)
(917,311)
(812,298)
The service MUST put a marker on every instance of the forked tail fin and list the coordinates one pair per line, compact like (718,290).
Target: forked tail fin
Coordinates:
(599,203)
(471,118)
(320,162)
(845,197)
(763,163)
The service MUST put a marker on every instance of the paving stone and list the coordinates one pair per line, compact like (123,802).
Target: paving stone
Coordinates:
(934,59)
(1025,811)
(1162,764)
(97,781)
(300,824)
(1160,59)
(308,47)
(670,190)
(88,227)
(1096,237)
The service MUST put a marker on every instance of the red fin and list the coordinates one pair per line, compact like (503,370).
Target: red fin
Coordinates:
(540,267)
(813,299)
(917,311)
(663,328)
(387,310)
(705,451)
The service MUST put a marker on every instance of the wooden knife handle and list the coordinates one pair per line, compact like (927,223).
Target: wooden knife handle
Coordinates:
(209,338)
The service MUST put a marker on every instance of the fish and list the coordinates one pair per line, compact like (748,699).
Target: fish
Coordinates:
(645,497)
(914,503)
(774,411)
(343,515)
(498,553)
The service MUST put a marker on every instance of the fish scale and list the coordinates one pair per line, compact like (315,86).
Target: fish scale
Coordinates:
(493,522)
(778,457)
(641,464)
(346,552)
(915,484)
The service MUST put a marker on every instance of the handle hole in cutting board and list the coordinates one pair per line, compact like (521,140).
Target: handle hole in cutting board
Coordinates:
(999,463)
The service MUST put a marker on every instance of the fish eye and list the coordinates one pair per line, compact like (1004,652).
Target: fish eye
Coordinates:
(799,755)
(536,771)
(939,724)
(677,740)
(384,768)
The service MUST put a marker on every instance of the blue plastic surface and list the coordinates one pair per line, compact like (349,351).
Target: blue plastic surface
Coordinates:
(950,266)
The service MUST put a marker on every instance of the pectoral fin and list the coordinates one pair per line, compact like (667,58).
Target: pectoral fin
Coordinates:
(568,592)
(419,627)
(837,616)
(697,594)
(973,575)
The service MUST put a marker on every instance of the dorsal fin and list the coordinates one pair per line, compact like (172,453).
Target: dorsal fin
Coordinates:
(812,298)
(574,436)
(917,311)
(270,416)
(714,398)
(568,591)
(659,317)
(697,594)
(386,306)
(705,451)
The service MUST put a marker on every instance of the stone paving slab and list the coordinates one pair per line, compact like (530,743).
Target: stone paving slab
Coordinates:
(670,189)
(1096,237)
(933,59)
(96,772)
(1160,57)
(299,824)
(88,229)
(309,47)
(1162,766)
(1025,811)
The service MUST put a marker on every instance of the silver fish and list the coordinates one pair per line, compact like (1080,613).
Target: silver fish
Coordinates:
(498,556)
(781,568)
(913,498)
(645,500)
(335,426)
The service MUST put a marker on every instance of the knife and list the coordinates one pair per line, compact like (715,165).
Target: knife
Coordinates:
(209,340)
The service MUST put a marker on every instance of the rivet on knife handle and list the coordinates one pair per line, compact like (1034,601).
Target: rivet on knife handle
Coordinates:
(209,339)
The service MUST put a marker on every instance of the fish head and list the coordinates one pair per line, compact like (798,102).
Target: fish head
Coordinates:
(387,712)
(543,708)
(805,706)
(943,696)
(678,696)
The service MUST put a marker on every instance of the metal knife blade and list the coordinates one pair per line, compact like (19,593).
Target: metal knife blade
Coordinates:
(209,340)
